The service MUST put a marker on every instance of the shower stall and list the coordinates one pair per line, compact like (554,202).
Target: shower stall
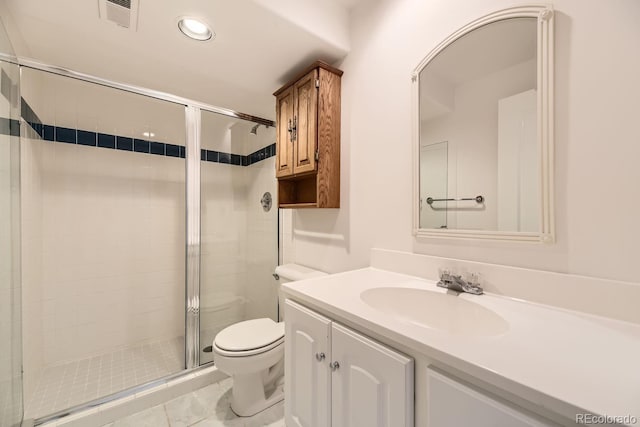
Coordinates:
(143,229)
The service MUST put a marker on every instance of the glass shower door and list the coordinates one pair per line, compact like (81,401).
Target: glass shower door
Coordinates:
(11,408)
(239,218)
(104,237)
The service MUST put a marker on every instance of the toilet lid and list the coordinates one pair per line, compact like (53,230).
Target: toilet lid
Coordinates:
(249,335)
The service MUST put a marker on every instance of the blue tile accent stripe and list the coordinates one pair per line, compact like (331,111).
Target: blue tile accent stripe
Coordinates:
(261,154)
(66,135)
(48,132)
(157,148)
(172,150)
(122,143)
(87,138)
(9,127)
(102,140)
(106,141)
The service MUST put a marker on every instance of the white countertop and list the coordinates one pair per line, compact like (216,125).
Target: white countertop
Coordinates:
(565,361)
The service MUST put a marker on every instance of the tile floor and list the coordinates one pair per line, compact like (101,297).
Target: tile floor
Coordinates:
(66,385)
(206,407)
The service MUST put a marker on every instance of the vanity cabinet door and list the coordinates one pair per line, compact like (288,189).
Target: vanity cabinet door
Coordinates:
(454,404)
(372,386)
(307,376)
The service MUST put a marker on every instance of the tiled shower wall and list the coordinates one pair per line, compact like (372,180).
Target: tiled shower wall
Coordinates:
(111,253)
(223,271)
(262,242)
(31,201)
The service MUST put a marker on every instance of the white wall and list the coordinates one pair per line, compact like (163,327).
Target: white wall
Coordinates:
(597,140)
(13,43)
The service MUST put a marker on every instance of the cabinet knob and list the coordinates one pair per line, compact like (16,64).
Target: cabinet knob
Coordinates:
(334,366)
(320,357)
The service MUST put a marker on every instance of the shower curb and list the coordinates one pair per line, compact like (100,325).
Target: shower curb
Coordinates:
(135,400)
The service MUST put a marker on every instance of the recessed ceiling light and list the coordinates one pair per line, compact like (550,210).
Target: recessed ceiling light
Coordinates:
(148,134)
(195,29)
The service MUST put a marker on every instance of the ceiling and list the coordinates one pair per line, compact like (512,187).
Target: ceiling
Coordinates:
(258,45)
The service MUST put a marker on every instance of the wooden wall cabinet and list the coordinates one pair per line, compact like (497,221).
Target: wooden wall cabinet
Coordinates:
(308,139)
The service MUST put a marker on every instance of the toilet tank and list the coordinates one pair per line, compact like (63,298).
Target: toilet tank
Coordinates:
(292,273)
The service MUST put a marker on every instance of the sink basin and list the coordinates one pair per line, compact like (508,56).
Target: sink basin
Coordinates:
(436,310)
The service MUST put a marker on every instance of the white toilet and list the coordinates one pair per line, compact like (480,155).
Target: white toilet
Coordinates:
(252,353)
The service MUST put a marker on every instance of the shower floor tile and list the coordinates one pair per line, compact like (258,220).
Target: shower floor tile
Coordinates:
(66,385)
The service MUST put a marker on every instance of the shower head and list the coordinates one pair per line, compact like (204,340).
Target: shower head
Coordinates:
(254,130)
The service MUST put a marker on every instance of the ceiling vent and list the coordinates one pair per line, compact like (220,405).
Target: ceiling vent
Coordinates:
(121,12)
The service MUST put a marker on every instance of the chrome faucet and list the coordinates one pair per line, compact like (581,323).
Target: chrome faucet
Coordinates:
(458,284)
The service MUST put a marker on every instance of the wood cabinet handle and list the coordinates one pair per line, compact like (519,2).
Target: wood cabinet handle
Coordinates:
(295,128)
(290,130)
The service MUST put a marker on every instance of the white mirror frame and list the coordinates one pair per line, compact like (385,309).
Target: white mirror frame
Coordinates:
(545,67)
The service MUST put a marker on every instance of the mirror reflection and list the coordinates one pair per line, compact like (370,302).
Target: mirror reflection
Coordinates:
(479,155)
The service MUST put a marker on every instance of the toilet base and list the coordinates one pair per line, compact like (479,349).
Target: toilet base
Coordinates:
(254,392)
(244,406)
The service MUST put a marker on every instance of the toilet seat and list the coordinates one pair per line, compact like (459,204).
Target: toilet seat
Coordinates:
(249,338)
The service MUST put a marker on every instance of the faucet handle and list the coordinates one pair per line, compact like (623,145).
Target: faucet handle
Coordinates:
(472,278)
(445,273)
(471,284)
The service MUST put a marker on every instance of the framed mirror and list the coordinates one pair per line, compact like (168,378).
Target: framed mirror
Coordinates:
(483,130)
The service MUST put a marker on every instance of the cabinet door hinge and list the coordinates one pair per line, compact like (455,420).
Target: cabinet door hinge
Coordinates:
(317,155)
(317,82)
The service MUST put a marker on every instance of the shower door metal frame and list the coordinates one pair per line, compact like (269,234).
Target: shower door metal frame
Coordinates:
(193,114)
(192,267)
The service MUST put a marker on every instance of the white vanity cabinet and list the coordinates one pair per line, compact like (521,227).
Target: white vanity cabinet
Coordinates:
(453,404)
(337,377)
(307,379)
